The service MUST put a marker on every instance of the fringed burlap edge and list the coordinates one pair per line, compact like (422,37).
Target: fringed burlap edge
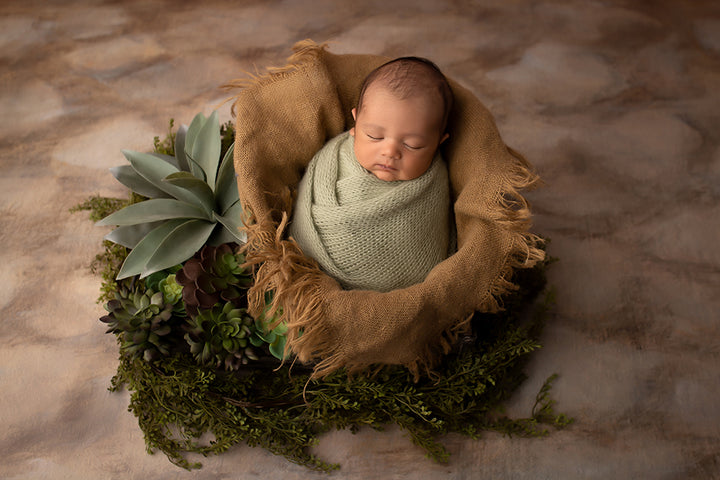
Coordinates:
(304,52)
(514,216)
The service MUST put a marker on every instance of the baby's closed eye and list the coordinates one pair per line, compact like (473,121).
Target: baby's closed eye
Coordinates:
(414,147)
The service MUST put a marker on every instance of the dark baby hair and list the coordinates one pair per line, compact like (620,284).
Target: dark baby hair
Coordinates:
(406,76)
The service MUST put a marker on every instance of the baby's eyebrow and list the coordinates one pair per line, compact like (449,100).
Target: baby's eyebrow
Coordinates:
(372,125)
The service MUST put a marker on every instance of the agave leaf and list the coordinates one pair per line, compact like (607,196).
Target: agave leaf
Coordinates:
(192,132)
(168,158)
(180,148)
(138,257)
(190,136)
(152,211)
(179,245)
(154,172)
(220,236)
(226,190)
(231,222)
(130,235)
(127,175)
(206,148)
(197,187)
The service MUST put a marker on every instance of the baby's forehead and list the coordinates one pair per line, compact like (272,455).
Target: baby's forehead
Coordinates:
(380,88)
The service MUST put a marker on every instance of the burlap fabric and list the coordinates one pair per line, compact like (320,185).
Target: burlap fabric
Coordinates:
(367,233)
(286,116)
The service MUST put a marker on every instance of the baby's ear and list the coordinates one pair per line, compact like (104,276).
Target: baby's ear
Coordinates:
(354,114)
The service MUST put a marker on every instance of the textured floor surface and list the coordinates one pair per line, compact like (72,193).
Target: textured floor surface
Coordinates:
(615,102)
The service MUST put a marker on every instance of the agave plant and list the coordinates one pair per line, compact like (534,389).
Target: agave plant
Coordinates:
(192,201)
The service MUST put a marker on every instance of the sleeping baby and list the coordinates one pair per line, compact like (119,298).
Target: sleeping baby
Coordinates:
(373,208)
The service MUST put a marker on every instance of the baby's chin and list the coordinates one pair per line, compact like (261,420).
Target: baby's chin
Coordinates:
(385,175)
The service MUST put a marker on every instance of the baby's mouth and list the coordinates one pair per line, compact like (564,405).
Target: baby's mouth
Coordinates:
(387,168)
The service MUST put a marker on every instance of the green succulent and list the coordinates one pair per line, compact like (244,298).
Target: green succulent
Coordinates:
(142,320)
(165,282)
(275,338)
(219,336)
(192,201)
(171,290)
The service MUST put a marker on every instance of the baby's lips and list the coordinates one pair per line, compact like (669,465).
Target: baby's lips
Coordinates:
(385,167)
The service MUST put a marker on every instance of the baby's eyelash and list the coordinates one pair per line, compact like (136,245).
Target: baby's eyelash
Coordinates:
(373,138)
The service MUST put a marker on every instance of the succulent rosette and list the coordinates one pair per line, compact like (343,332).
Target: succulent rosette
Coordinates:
(214,274)
(143,321)
(219,336)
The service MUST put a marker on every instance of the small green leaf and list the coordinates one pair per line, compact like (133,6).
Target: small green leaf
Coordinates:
(157,298)
(152,211)
(277,348)
(164,330)
(280,329)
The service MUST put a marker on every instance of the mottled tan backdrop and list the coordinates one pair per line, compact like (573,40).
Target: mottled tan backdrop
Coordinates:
(616,102)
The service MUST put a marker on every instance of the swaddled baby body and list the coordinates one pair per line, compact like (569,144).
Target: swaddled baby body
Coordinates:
(373,207)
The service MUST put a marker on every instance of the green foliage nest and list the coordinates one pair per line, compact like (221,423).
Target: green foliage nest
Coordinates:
(184,407)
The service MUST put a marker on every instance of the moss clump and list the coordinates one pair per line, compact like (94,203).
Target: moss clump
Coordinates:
(106,264)
(167,145)
(100,207)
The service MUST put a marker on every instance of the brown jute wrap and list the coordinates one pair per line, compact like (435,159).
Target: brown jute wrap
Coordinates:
(282,119)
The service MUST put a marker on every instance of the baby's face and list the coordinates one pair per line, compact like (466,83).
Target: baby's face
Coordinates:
(396,139)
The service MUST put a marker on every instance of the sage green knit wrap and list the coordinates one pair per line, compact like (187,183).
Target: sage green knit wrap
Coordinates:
(367,233)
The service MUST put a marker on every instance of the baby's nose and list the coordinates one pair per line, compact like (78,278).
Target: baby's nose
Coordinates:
(391,150)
